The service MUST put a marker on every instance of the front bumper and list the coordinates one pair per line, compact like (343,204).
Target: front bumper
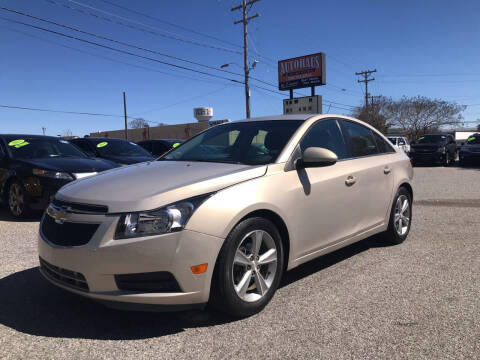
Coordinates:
(434,157)
(465,156)
(102,258)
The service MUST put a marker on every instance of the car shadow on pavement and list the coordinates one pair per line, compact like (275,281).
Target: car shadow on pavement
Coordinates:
(5,216)
(31,305)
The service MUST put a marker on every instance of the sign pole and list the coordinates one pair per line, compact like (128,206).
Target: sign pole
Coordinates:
(313,90)
(291,94)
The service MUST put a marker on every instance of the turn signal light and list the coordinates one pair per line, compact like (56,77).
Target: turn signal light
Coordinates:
(199,269)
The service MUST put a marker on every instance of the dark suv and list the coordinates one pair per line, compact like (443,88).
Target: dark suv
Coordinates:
(121,151)
(434,149)
(158,147)
(470,150)
(33,168)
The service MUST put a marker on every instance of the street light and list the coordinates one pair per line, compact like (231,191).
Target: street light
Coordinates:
(247,88)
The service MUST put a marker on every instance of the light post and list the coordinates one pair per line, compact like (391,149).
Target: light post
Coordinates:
(247,87)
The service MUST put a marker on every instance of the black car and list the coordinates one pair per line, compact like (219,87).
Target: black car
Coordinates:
(434,149)
(470,150)
(121,151)
(159,147)
(33,168)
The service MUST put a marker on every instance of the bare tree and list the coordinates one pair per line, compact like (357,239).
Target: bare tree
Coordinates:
(419,115)
(376,114)
(478,126)
(138,123)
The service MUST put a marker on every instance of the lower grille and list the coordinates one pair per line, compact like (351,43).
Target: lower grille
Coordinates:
(67,233)
(65,277)
(160,281)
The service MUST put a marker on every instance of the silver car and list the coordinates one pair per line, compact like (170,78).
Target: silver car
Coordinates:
(221,217)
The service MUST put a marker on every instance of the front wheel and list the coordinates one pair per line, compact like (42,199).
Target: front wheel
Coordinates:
(17,200)
(249,268)
(400,217)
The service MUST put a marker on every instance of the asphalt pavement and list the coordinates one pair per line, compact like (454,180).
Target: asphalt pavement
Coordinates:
(417,300)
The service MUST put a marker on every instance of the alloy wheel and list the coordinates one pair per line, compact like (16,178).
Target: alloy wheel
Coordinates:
(16,199)
(254,266)
(402,215)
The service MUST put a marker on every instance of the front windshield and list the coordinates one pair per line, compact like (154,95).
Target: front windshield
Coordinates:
(250,142)
(118,147)
(432,139)
(474,139)
(41,148)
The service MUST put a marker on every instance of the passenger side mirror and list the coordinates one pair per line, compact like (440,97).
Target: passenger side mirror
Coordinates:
(317,157)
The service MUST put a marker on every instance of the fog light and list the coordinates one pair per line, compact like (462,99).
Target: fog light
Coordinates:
(199,269)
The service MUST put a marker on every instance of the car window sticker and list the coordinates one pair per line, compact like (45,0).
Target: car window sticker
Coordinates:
(102,144)
(422,137)
(176,144)
(18,143)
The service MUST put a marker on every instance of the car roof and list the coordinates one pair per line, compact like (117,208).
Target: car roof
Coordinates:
(302,117)
(102,138)
(167,140)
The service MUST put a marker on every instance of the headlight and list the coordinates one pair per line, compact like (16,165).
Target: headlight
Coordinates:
(52,174)
(164,220)
(441,150)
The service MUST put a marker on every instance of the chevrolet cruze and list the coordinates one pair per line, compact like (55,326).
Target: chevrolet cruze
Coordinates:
(219,218)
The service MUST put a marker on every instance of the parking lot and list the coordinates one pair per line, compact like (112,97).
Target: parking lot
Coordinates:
(416,300)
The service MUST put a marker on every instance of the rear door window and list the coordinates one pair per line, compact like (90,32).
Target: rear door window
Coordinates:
(359,138)
(382,145)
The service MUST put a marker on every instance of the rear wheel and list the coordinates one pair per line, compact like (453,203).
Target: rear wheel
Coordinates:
(249,268)
(18,200)
(400,217)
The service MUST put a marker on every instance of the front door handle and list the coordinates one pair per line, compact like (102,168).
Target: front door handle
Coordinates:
(387,170)
(350,181)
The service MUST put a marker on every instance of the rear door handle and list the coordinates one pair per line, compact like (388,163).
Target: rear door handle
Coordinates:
(387,170)
(350,181)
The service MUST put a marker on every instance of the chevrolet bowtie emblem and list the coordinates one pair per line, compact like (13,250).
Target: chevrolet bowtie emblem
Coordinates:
(58,213)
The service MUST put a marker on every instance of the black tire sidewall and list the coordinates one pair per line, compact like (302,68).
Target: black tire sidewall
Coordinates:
(223,295)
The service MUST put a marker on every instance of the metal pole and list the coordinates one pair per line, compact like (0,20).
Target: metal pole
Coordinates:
(125,114)
(245,59)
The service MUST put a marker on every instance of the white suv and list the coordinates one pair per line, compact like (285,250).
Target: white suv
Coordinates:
(401,143)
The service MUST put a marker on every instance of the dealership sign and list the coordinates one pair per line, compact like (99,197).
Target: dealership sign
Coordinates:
(301,72)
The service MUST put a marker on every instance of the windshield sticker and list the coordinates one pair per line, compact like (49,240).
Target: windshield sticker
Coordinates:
(18,143)
(420,138)
(471,138)
(176,144)
(102,144)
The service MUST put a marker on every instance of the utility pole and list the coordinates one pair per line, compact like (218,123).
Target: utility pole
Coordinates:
(43,129)
(125,114)
(246,69)
(365,80)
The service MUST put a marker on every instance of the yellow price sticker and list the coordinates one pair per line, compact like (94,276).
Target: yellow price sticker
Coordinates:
(176,144)
(18,143)
(102,144)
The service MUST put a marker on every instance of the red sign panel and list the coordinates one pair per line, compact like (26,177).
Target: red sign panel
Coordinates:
(301,72)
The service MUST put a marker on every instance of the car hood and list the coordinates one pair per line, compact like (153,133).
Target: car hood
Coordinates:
(127,160)
(150,185)
(70,164)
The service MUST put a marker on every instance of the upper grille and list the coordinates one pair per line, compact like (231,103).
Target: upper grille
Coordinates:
(68,233)
(81,208)
(65,277)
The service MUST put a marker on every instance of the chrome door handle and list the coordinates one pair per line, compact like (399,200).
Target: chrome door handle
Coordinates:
(350,181)
(387,170)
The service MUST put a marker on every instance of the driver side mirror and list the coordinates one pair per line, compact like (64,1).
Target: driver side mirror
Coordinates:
(316,157)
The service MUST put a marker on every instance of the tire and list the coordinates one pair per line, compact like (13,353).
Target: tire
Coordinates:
(235,267)
(393,235)
(17,200)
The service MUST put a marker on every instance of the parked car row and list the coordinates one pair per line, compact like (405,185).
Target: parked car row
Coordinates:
(33,168)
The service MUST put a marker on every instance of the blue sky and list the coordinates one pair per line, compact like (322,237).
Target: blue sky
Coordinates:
(428,48)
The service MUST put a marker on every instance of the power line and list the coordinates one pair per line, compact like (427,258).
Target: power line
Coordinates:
(169,23)
(59,111)
(119,50)
(153,32)
(117,41)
